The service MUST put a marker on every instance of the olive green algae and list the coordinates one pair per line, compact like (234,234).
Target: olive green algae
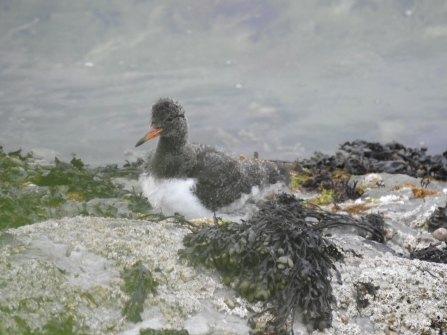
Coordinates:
(33,190)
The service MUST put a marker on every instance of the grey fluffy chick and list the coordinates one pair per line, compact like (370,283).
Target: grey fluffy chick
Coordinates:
(217,178)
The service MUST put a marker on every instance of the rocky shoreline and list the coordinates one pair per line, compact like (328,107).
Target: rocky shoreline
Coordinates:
(68,274)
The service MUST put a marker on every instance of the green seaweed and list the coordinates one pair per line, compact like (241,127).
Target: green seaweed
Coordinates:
(138,284)
(88,182)
(326,197)
(31,192)
(58,326)
(61,325)
(296,181)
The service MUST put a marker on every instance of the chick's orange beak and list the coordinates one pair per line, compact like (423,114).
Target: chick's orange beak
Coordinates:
(153,132)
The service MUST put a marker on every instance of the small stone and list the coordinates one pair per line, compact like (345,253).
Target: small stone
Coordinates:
(390,332)
(187,274)
(229,303)
(389,233)
(372,180)
(440,234)
(344,318)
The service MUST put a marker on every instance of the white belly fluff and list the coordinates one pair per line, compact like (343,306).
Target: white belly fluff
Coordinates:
(173,195)
(176,195)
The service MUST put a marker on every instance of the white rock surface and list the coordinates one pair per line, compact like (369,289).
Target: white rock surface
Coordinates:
(72,267)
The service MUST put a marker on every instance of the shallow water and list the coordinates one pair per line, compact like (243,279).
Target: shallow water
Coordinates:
(281,78)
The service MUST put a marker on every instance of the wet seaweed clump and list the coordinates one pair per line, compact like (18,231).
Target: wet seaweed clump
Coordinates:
(138,284)
(331,174)
(360,157)
(433,253)
(335,186)
(278,256)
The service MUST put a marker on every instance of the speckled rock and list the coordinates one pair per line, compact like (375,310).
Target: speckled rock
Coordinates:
(71,268)
(409,299)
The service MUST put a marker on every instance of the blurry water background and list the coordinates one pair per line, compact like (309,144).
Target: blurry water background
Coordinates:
(282,77)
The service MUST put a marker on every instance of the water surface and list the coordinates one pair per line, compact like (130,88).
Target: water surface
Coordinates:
(284,78)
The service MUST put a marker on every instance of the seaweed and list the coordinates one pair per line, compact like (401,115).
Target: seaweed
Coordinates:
(418,192)
(335,186)
(360,157)
(60,326)
(431,254)
(330,174)
(55,326)
(32,190)
(88,182)
(279,256)
(138,284)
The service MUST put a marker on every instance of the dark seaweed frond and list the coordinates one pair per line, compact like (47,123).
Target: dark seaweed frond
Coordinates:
(360,157)
(277,256)
(280,256)
(433,253)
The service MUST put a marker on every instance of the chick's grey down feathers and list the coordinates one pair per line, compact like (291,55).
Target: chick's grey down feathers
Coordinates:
(221,178)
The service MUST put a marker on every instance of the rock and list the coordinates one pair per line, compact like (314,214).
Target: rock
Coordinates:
(108,207)
(440,234)
(343,318)
(72,267)
(372,180)
(70,270)
(71,208)
(17,173)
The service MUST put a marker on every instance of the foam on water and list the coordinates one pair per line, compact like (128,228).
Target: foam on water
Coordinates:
(177,195)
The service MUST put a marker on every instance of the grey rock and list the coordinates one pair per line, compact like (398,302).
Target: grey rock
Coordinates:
(100,207)
(71,268)
(71,207)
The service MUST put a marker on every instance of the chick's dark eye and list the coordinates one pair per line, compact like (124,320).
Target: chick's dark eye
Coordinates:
(170,119)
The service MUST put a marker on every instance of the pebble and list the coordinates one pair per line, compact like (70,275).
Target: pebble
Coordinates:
(373,180)
(440,234)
